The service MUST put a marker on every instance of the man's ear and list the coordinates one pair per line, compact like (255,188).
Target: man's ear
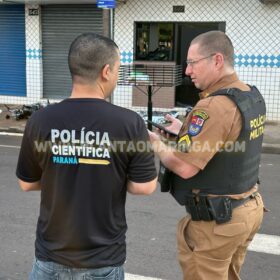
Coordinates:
(219,60)
(105,72)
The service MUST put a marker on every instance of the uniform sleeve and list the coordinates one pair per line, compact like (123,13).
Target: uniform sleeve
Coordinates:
(142,164)
(28,169)
(212,123)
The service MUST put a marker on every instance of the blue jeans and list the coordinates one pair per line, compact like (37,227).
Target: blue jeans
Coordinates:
(54,271)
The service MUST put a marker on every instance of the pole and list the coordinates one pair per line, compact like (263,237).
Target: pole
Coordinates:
(111,24)
(111,36)
(150,106)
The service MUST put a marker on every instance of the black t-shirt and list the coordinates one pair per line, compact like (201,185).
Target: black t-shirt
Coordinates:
(83,151)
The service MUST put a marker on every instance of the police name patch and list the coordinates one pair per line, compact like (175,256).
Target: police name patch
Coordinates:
(197,121)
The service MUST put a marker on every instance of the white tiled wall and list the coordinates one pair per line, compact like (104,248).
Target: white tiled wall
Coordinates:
(253,27)
(33,55)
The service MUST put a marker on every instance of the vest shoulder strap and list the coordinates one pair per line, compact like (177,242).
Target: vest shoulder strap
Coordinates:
(243,99)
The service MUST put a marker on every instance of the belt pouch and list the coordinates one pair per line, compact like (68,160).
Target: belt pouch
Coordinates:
(221,209)
(203,209)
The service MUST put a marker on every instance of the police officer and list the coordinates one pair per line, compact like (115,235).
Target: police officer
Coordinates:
(214,170)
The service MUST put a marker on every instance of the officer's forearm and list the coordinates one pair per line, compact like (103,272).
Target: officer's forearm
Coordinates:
(173,163)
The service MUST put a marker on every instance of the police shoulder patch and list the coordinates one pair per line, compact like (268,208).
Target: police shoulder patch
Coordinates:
(197,121)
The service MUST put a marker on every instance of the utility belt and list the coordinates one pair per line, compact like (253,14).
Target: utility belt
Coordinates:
(201,207)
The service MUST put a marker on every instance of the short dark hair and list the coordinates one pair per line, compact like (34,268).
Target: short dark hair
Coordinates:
(213,42)
(89,53)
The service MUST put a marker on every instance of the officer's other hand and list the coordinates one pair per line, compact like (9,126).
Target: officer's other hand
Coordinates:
(174,126)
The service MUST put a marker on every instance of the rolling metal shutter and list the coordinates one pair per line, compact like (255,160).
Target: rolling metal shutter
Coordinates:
(12,50)
(61,24)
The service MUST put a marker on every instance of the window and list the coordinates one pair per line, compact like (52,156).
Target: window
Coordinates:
(154,41)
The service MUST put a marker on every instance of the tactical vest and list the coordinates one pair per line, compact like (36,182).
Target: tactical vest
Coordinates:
(235,169)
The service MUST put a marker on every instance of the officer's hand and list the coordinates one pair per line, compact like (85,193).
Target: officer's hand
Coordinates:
(153,136)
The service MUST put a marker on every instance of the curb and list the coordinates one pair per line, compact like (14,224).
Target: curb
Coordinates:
(12,129)
(270,148)
(267,148)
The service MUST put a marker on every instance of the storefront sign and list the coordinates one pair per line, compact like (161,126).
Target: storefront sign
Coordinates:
(106,4)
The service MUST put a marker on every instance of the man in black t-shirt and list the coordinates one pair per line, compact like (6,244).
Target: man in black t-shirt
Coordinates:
(82,154)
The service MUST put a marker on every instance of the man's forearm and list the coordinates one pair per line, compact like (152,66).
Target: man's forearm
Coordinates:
(25,186)
(165,154)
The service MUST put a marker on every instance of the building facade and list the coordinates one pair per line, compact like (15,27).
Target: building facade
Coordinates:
(35,40)
(252,25)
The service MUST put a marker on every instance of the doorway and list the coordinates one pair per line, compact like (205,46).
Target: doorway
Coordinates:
(187,93)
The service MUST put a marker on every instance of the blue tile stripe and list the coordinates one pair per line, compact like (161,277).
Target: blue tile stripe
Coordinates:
(34,53)
(126,57)
(257,60)
(239,59)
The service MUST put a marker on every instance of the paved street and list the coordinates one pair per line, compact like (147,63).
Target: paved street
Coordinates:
(151,226)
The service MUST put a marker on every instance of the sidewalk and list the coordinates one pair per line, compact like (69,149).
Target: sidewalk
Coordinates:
(271,143)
